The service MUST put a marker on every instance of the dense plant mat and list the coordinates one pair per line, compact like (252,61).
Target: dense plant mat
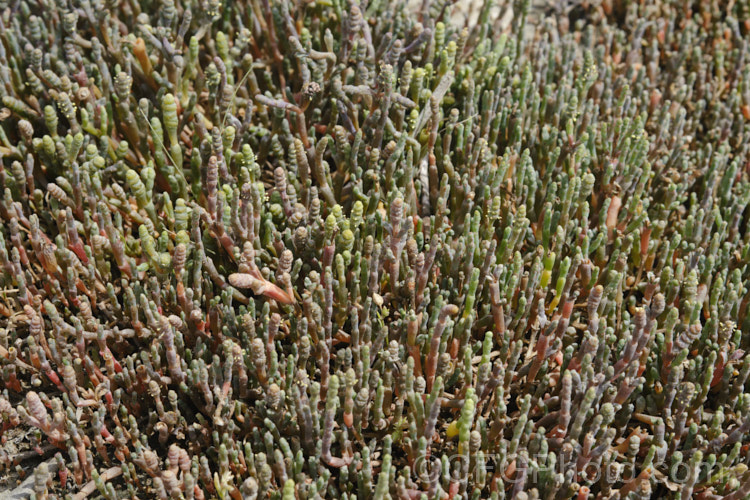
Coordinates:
(329,249)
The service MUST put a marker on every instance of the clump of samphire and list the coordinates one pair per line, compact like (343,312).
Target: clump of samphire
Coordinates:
(332,249)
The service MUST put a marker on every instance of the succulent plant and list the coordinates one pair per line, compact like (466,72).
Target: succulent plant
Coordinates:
(338,249)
